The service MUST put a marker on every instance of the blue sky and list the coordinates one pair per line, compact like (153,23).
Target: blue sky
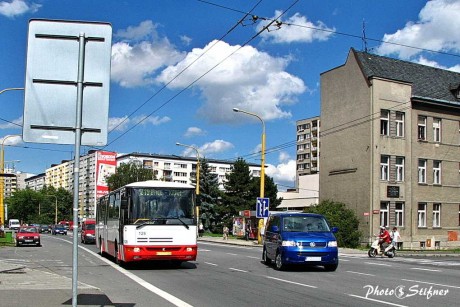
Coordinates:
(180,67)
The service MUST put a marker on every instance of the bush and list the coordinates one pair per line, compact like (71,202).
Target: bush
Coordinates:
(338,215)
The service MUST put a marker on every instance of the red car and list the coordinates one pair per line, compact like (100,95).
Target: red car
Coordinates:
(28,235)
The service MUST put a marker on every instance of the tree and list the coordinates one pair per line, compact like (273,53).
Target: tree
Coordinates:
(31,206)
(340,216)
(208,197)
(238,195)
(127,173)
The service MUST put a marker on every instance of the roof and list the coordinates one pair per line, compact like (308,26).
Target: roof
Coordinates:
(427,82)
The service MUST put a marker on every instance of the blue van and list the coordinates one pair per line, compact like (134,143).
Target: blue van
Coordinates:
(300,238)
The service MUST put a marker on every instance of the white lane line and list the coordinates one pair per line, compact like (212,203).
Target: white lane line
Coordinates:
(381,264)
(431,283)
(232,254)
(377,301)
(238,270)
(253,257)
(353,272)
(170,298)
(291,282)
(211,263)
(204,250)
(423,269)
(343,260)
(224,244)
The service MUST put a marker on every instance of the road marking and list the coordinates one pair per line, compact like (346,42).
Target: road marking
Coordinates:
(169,297)
(344,260)
(377,301)
(211,263)
(232,254)
(204,250)
(253,257)
(360,273)
(238,270)
(225,244)
(422,269)
(431,283)
(374,263)
(291,282)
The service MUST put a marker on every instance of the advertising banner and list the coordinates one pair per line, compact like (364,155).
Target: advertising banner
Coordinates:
(106,163)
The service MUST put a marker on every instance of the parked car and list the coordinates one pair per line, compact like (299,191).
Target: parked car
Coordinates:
(45,228)
(88,231)
(28,235)
(300,238)
(59,229)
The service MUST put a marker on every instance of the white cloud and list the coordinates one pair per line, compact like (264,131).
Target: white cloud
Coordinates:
(249,79)
(283,156)
(302,30)
(17,7)
(422,60)
(185,40)
(11,140)
(194,131)
(428,32)
(122,123)
(144,30)
(15,124)
(208,149)
(284,172)
(135,63)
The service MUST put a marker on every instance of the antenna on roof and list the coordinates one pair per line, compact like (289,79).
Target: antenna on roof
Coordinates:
(364,37)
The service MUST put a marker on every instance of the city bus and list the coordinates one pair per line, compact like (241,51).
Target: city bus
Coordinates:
(148,220)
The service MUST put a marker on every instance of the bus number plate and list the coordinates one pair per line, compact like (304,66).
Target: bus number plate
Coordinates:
(163,253)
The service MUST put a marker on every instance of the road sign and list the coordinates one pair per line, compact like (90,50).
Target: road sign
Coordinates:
(57,52)
(262,207)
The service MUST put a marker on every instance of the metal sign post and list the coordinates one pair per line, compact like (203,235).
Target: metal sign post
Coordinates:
(53,111)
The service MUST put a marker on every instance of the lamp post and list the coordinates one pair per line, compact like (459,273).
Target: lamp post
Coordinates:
(262,163)
(2,174)
(55,208)
(262,169)
(197,165)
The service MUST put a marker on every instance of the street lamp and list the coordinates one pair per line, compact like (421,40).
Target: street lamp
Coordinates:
(2,175)
(55,208)
(262,163)
(197,165)
(262,169)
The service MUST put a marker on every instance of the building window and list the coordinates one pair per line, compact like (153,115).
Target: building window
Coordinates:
(437,129)
(399,214)
(436,172)
(422,128)
(384,167)
(384,212)
(436,215)
(421,215)
(384,122)
(399,124)
(399,168)
(421,171)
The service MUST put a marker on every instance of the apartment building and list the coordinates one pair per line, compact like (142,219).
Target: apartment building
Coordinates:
(390,147)
(307,160)
(36,182)
(181,169)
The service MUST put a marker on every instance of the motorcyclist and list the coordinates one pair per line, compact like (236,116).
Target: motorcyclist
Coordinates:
(384,238)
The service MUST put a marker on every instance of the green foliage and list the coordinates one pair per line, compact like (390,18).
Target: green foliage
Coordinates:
(208,197)
(340,216)
(39,207)
(128,173)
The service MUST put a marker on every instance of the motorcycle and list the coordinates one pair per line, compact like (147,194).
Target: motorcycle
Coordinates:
(376,249)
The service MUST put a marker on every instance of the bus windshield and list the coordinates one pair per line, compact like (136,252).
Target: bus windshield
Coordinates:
(151,204)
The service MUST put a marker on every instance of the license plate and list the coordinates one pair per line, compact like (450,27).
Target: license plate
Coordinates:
(28,241)
(313,259)
(163,253)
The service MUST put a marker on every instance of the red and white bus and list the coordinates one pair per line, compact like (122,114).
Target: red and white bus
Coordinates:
(148,220)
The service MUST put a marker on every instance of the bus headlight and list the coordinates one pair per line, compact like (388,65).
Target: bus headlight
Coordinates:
(136,249)
(189,249)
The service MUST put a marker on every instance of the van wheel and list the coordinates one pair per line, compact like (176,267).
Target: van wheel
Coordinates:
(331,267)
(265,258)
(279,265)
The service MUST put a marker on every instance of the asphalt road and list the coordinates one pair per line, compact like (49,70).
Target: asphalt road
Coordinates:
(223,275)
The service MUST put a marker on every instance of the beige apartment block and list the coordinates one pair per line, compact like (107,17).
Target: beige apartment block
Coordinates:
(307,142)
(390,147)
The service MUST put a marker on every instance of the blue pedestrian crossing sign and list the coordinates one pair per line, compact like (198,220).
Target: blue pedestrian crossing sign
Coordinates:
(262,207)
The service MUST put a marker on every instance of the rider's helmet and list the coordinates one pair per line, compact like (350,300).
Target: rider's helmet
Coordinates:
(382,228)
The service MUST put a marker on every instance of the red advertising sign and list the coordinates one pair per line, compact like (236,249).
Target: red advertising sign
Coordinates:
(106,164)
(366,213)
(247,213)
(376,211)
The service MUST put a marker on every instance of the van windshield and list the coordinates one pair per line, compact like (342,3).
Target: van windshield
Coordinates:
(305,224)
